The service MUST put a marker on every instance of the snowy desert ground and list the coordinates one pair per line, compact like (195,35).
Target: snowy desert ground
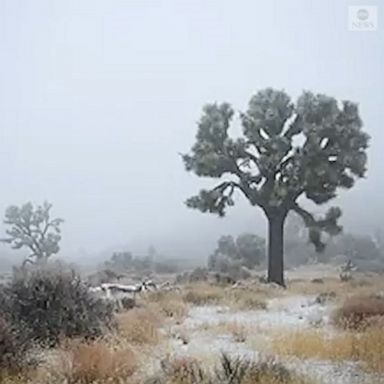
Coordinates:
(180,336)
(295,326)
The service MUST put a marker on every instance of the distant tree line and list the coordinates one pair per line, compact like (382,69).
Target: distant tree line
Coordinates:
(125,261)
(367,252)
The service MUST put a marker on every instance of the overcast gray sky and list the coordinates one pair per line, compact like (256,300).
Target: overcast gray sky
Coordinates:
(98,97)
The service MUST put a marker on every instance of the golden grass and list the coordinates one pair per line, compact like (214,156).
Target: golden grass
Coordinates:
(244,299)
(87,363)
(366,347)
(139,326)
(203,294)
(250,333)
(361,285)
(357,312)
(251,298)
(168,304)
(238,331)
(184,370)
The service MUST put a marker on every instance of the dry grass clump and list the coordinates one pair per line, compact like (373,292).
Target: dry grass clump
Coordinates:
(203,294)
(182,370)
(357,312)
(366,347)
(238,331)
(230,369)
(371,348)
(169,304)
(314,344)
(243,371)
(252,299)
(91,363)
(139,326)
(361,285)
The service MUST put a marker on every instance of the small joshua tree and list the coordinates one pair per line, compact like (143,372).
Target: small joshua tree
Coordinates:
(33,228)
(310,148)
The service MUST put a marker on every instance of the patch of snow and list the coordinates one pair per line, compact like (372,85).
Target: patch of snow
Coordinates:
(287,312)
(300,312)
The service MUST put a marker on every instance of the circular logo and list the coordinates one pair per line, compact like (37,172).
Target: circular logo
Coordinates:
(362,14)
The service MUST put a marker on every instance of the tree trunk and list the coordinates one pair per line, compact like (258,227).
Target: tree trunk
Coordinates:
(276,249)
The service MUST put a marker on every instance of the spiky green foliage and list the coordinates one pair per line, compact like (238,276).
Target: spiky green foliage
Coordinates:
(288,150)
(33,228)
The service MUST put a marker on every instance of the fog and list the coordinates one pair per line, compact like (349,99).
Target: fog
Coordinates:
(98,98)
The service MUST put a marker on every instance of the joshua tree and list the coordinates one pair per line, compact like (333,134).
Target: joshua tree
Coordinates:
(287,151)
(33,228)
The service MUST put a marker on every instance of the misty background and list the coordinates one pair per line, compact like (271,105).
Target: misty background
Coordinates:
(98,98)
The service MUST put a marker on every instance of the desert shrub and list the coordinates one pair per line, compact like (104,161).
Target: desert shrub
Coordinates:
(14,345)
(357,311)
(52,303)
(239,370)
(95,362)
(128,303)
(230,370)
(183,370)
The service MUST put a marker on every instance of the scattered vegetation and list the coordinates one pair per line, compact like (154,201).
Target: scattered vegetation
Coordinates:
(198,274)
(252,298)
(168,304)
(366,347)
(238,331)
(279,158)
(358,312)
(89,363)
(247,299)
(186,370)
(356,287)
(203,294)
(138,326)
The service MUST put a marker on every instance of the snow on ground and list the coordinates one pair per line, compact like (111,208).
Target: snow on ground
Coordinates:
(293,312)
(288,312)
